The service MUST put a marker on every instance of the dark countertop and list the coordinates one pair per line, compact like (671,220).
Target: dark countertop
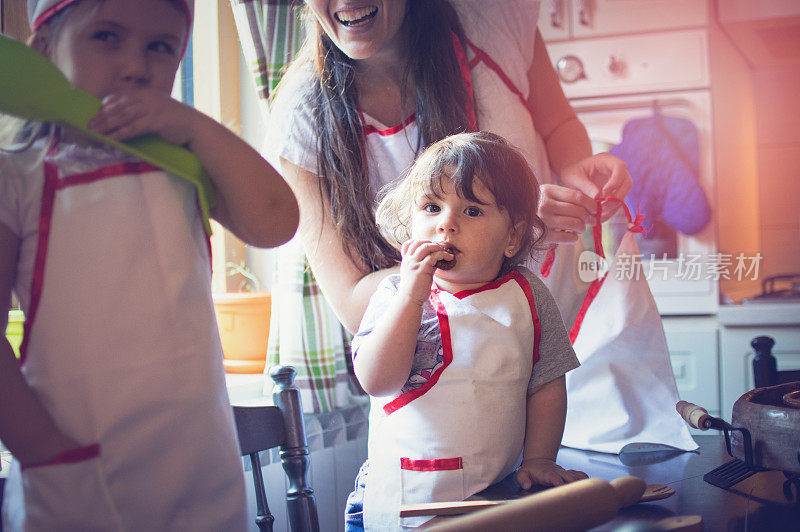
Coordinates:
(755,504)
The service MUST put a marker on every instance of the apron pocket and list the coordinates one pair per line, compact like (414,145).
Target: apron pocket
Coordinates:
(68,495)
(437,480)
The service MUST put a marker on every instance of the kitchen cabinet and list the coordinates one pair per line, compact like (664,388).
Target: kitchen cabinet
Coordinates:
(575,19)
(693,344)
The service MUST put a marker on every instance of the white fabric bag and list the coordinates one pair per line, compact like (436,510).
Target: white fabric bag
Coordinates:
(624,391)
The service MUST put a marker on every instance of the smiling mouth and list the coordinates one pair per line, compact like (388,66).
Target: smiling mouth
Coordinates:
(356,17)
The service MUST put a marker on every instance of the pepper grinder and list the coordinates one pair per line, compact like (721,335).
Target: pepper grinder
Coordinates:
(765,369)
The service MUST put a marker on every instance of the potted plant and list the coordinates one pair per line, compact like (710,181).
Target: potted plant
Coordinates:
(243,322)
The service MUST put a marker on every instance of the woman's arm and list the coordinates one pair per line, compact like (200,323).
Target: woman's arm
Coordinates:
(25,427)
(567,209)
(347,285)
(544,427)
(253,201)
(566,140)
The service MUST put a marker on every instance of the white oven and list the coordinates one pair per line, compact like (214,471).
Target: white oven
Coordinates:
(612,80)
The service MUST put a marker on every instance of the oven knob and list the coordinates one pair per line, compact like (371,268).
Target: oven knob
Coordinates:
(616,66)
(570,69)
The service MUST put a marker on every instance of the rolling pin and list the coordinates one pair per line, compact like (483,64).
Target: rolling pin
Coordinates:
(696,416)
(572,507)
(699,418)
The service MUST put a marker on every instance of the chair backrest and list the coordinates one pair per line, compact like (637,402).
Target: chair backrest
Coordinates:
(264,427)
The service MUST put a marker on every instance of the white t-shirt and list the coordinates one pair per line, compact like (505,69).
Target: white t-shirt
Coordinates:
(502,29)
(21,183)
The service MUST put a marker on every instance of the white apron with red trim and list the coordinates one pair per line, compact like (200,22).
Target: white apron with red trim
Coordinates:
(625,361)
(122,350)
(464,429)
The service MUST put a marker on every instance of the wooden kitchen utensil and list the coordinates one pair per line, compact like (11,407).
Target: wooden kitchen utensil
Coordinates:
(571,507)
(681,523)
(34,88)
(656,492)
(628,490)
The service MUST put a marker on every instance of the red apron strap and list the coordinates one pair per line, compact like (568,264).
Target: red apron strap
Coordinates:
(466,77)
(635,226)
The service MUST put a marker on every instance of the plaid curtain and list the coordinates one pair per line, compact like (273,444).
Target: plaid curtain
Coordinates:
(304,331)
(270,33)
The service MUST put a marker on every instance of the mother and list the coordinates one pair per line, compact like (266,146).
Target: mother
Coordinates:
(375,82)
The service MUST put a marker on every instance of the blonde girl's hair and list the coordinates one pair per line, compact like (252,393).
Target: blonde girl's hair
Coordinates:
(462,159)
(18,134)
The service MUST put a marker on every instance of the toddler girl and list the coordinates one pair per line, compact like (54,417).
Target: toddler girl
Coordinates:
(464,352)
(117,413)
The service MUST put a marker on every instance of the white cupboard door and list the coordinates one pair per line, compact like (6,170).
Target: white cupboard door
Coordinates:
(554,20)
(591,18)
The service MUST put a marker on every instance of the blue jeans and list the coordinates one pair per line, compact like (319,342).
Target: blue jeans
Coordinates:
(354,510)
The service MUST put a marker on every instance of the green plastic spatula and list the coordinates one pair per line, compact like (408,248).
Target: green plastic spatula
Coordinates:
(32,87)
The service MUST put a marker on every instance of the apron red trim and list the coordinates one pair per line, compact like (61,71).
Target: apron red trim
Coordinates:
(45,219)
(444,328)
(114,170)
(72,456)
(483,57)
(52,183)
(437,464)
(547,264)
(369,128)
(597,233)
(466,77)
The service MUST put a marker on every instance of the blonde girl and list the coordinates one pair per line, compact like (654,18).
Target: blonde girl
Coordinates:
(117,413)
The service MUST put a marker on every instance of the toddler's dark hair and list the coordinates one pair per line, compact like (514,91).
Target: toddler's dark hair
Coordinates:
(462,159)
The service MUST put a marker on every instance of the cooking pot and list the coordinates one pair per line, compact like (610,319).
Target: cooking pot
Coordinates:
(771,416)
(764,434)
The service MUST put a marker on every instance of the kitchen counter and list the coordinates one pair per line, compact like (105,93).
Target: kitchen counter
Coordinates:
(757,503)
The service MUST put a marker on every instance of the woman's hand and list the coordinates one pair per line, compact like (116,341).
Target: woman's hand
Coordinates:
(599,176)
(133,112)
(545,472)
(417,268)
(567,209)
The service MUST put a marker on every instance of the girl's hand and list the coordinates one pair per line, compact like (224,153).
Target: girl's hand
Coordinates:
(545,472)
(133,112)
(417,268)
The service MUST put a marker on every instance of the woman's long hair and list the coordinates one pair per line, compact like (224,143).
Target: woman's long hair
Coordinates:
(439,95)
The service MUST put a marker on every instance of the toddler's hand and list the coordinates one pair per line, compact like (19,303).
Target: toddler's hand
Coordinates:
(417,267)
(133,112)
(544,472)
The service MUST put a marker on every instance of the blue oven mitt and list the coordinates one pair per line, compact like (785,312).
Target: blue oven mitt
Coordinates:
(662,154)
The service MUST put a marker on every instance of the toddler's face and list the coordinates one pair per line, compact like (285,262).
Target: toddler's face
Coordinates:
(479,234)
(105,46)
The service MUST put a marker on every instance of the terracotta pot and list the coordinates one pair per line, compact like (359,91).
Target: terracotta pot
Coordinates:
(243,321)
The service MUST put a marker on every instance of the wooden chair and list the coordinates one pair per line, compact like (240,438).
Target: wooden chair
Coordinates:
(264,427)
